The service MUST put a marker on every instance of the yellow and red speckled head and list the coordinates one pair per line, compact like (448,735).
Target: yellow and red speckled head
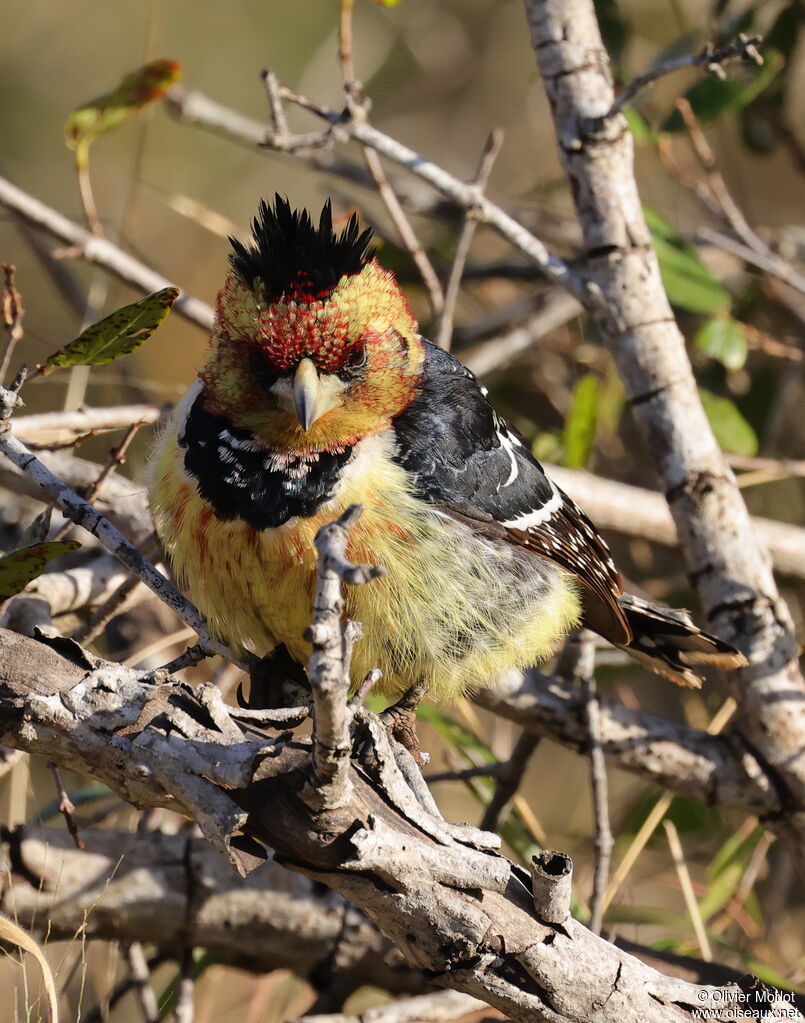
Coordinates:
(303,292)
(328,330)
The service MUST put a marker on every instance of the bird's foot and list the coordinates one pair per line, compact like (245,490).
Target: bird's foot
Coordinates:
(400,722)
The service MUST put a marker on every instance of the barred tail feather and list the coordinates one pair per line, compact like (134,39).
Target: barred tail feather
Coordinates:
(668,642)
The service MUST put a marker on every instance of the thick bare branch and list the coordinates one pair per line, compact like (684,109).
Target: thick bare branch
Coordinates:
(460,911)
(729,566)
(716,769)
(158,889)
(635,511)
(328,668)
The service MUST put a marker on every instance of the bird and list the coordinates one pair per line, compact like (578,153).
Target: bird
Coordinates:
(319,393)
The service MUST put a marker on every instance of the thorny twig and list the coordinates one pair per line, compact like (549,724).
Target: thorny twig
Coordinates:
(710,57)
(451,292)
(358,107)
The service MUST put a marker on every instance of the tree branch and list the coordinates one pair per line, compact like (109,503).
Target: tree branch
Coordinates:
(453,907)
(730,568)
(710,57)
(99,251)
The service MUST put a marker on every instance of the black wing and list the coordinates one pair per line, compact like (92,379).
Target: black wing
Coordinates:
(464,458)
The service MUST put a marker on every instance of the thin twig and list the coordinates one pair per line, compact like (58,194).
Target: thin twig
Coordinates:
(140,975)
(465,773)
(100,251)
(451,292)
(12,312)
(604,841)
(196,108)
(577,663)
(94,224)
(509,776)
(85,422)
(715,180)
(83,514)
(710,57)
(358,107)
(184,1011)
(192,656)
(718,722)
(688,894)
(88,631)
(438,1007)
(117,456)
(768,261)
(345,43)
(277,110)
(66,805)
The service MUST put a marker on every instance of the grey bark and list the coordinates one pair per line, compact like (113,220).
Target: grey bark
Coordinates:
(450,903)
(168,890)
(729,567)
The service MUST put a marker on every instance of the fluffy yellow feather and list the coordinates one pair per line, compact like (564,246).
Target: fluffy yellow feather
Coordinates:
(442,616)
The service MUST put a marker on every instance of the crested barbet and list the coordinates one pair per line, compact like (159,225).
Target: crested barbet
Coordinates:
(319,393)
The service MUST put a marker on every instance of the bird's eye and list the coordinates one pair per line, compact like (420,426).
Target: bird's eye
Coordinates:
(263,373)
(355,359)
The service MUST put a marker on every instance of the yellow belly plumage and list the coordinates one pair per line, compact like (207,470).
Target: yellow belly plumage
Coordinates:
(455,611)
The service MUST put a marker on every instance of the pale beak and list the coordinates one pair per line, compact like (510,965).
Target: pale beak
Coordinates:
(306,394)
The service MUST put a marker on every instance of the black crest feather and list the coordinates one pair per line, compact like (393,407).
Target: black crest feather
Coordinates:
(290,254)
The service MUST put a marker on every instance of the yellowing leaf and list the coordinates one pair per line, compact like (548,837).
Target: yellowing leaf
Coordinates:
(120,333)
(21,567)
(107,111)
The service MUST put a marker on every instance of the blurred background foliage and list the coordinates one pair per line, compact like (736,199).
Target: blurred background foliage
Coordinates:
(440,74)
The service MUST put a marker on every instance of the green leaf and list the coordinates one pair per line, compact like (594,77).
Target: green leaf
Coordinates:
(109,110)
(579,433)
(120,333)
(686,279)
(547,447)
(641,130)
(22,566)
(732,431)
(711,97)
(726,873)
(724,340)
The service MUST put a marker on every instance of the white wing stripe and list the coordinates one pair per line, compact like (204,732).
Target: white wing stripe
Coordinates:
(536,518)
